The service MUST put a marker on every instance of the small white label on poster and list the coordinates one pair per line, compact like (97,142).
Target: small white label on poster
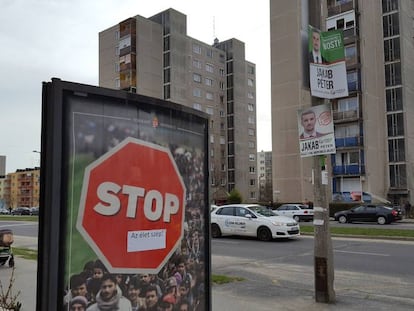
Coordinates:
(146,240)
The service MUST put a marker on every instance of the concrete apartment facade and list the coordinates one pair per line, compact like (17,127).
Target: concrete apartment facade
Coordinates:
(264,177)
(155,57)
(373,132)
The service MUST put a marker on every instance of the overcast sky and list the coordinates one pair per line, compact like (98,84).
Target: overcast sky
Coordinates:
(41,39)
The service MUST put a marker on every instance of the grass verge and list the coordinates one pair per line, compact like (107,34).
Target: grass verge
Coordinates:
(368,232)
(223,279)
(25,253)
(19,218)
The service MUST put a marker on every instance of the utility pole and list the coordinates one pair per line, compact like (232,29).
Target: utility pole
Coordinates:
(323,253)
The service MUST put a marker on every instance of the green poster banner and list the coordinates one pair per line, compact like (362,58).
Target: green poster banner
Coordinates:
(325,47)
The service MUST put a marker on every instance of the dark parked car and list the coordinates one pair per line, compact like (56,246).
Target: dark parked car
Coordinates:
(34,211)
(374,213)
(21,211)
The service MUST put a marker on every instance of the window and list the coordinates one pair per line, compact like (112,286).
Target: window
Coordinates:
(196,92)
(222,114)
(209,96)
(221,83)
(250,95)
(251,144)
(390,24)
(117,50)
(212,139)
(395,124)
(340,23)
(396,150)
(117,83)
(226,211)
(222,72)
(125,42)
(209,82)
(252,169)
(350,54)
(166,59)
(209,68)
(167,75)
(250,107)
(392,49)
(222,140)
(394,99)
(250,120)
(210,110)
(166,43)
(252,157)
(352,78)
(393,74)
(250,82)
(398,176)
(343,131)
(209,53)
(348,104)
(196,48)
(252,182)
(197,106)
(251,132)
(196,64)
(250,70)
(389,5)
(196,77)
(167,94)
(117,67)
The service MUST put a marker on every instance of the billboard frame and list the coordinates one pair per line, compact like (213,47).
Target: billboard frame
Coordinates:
(55,148)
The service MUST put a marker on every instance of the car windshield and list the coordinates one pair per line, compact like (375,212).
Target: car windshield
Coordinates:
(263,211)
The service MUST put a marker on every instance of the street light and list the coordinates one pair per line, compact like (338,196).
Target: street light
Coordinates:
(35,151)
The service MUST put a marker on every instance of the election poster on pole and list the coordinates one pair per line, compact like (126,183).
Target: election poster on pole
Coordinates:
(327,68)
(316,131)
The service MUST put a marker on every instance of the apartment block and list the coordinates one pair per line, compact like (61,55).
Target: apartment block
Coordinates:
(155,57)
(264,170)
(373,132)
(21,188)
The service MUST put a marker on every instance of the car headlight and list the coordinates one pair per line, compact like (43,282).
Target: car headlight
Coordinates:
(276,223)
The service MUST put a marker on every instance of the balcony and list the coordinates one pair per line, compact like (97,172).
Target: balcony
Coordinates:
(354,169)
(349,142)
(349,115)
(335,9)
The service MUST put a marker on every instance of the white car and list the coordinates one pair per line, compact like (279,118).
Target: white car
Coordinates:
(251,220)
(299,212)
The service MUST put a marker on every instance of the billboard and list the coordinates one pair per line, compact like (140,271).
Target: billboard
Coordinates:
(316,131)
(327,68)
(124,201)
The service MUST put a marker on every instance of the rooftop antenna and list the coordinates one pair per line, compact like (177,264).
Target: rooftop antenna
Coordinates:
(214,27)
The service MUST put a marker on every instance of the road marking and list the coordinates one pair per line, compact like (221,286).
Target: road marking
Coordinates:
(363,253)
(16,225)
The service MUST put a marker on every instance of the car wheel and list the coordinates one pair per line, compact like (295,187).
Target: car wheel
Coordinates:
(296,218)
(264,234)
(215,231)
(381,220)
(342,219)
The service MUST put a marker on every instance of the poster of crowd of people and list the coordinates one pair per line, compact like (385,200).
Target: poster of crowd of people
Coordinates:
(94,122)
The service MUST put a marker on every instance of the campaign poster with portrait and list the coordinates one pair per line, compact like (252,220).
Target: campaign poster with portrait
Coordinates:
(125,197)
(316,131)
(327,67)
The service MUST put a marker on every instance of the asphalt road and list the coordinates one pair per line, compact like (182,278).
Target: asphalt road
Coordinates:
(279,275)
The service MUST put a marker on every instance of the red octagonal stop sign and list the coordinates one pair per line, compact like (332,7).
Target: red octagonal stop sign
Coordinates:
(132,207)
